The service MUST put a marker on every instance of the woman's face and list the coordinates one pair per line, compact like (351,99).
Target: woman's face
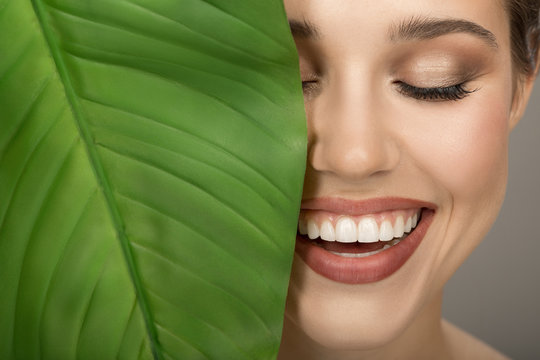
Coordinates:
(409,107)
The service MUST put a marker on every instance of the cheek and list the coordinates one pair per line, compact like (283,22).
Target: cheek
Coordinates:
(464,150)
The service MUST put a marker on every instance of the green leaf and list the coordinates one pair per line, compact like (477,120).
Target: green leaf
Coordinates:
(151,163)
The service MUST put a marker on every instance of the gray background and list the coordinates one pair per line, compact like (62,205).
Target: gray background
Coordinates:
(495,295)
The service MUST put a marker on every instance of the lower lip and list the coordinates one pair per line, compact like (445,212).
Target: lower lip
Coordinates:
(363,270)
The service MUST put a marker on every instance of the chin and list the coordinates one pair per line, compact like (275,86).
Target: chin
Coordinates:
(404,305)
(334,316)
(352,331)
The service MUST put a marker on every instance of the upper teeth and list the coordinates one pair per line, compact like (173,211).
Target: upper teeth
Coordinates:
(365,229)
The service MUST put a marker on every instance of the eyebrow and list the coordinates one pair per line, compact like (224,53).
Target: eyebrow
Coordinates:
(418,28)
(304,29)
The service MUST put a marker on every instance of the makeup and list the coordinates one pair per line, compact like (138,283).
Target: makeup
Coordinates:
(443,64)
(424,115)
(325,244)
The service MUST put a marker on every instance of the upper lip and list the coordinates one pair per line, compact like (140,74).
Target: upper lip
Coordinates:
(363,207)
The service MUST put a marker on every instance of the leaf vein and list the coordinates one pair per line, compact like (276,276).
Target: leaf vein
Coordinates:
(187,181)
(210,283)
(36,96)
(230,175)
(239,261)
(214,40)
(54,274)
(89,304)
(16,62)
(223,333)
(141,348)
(194,136)
(159,61)
(135,31)
(131,314)
(30,156)
(97,168)
(36,219)
(246,24)
(182,340)
(249,118)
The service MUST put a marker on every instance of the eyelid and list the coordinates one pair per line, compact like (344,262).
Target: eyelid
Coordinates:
(310,87)
(443,93)
(308,75)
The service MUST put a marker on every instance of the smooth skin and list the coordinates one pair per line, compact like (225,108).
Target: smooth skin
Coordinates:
(371,136)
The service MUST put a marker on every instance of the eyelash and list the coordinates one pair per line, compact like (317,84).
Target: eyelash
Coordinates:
(447,93)
(309,85)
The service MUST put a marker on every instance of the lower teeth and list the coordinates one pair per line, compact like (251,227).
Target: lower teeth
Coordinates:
(366,254)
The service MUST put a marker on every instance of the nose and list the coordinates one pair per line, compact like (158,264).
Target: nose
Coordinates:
(351,137)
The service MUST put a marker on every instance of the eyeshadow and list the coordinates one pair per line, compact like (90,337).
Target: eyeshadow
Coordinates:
(441,63)
(438,71)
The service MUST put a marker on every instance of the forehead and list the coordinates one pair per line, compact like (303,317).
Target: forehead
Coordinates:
(365,23)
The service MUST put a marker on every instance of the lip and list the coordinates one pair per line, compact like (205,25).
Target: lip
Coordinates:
(364,207)
(367,269)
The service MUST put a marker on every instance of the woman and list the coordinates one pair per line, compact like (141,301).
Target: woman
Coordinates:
(409,106)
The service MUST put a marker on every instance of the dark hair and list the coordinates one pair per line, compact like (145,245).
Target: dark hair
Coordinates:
(524,34)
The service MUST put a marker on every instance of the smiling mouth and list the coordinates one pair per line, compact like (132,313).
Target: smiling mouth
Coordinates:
(355,248)
(357,236)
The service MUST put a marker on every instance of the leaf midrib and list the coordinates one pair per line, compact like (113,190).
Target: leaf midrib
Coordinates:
(97,169)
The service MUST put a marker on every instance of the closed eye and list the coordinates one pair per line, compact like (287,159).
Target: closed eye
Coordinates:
(309,84)
(446,93)
(310,88)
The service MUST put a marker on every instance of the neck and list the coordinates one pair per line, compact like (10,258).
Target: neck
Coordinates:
(423,339)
